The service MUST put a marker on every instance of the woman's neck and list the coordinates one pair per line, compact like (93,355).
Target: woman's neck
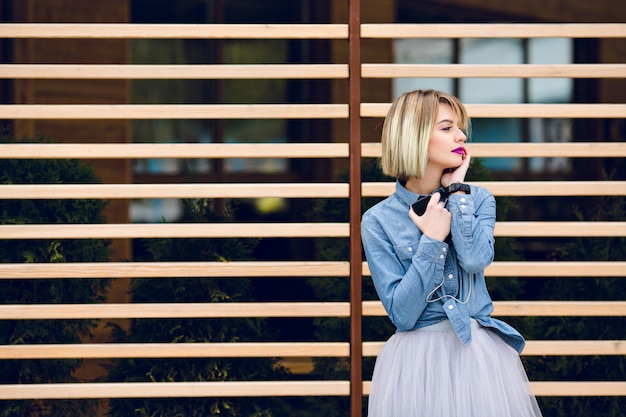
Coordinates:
(423,185)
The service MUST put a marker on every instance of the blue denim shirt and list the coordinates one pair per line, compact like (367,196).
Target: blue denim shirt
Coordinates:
(423,281)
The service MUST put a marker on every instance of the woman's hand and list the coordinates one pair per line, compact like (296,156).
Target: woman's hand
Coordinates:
(457,174)
(436,220)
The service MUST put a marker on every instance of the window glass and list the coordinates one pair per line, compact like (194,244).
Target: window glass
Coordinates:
(422,51)
(550,90)
(206,91)
(491,90)
(255,92)
(550,51)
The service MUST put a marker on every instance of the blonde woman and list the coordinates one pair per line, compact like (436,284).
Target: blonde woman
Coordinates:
(448,357)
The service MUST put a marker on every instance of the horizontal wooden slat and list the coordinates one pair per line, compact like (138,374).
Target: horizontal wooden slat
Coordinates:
(173,111)
(561,229)
(283,269)
(556,188)
(175,389)
(308,31)
(578,389)
(307,71)
(291,150)
(224,230)
(173,230)
(564,388)
(289,111)
(258,389)
(556,269)
(145,72)
(171,150)
(112,191)
(173,31)
(560,308)
(522,188)
(310,309)
(528,150)
(175,350)
(369,189)
(541,347)
(521,110)
(498,30)
(272,349)
(270,269)
(582,269)
(535,308)
(171,310)
(491,71)
(574,347)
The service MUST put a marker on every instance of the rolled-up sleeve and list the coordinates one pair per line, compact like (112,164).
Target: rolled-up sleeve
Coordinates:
(472,230)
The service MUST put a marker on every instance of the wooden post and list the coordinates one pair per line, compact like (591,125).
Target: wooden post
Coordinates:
(356,351)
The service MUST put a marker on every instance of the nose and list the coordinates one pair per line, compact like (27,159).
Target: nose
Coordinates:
(461,137)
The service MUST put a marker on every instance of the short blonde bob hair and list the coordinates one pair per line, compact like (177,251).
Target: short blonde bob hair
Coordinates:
(407,130)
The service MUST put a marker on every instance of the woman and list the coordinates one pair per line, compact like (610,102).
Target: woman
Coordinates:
(449,357)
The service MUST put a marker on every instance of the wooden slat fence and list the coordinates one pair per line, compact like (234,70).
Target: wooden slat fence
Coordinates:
(285,268)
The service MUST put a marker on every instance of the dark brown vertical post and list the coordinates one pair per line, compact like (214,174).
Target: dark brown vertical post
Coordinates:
(356,351)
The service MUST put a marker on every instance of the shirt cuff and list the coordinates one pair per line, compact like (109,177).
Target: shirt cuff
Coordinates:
(432,250)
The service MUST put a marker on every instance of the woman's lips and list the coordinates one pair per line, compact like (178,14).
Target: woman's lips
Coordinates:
(460,151)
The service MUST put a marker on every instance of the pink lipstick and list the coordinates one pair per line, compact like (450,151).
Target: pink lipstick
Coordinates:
(459,150)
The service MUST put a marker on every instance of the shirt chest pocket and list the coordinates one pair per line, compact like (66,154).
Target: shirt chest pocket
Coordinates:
(405,253)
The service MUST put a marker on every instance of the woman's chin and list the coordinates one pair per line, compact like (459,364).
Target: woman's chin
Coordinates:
(451,169)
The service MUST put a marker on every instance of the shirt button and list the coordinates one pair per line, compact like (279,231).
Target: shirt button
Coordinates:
(462,206)
(441,256)
(410,249)
(443,249)
(463,200)
(450,276)
(450,307)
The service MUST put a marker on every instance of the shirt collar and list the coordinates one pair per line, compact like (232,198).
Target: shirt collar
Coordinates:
(405,195)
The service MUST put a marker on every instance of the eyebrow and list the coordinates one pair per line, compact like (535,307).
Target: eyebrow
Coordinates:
(445,121)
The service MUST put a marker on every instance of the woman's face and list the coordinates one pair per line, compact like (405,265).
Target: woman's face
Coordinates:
(446,144)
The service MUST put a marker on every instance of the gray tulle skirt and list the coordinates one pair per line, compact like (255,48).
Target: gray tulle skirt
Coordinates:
(428,373)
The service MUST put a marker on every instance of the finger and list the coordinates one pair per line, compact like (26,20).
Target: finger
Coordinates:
(434,199)
(466,158)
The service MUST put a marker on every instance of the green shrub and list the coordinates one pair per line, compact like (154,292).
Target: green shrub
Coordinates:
(584,368)
(195,290)
(47,291)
